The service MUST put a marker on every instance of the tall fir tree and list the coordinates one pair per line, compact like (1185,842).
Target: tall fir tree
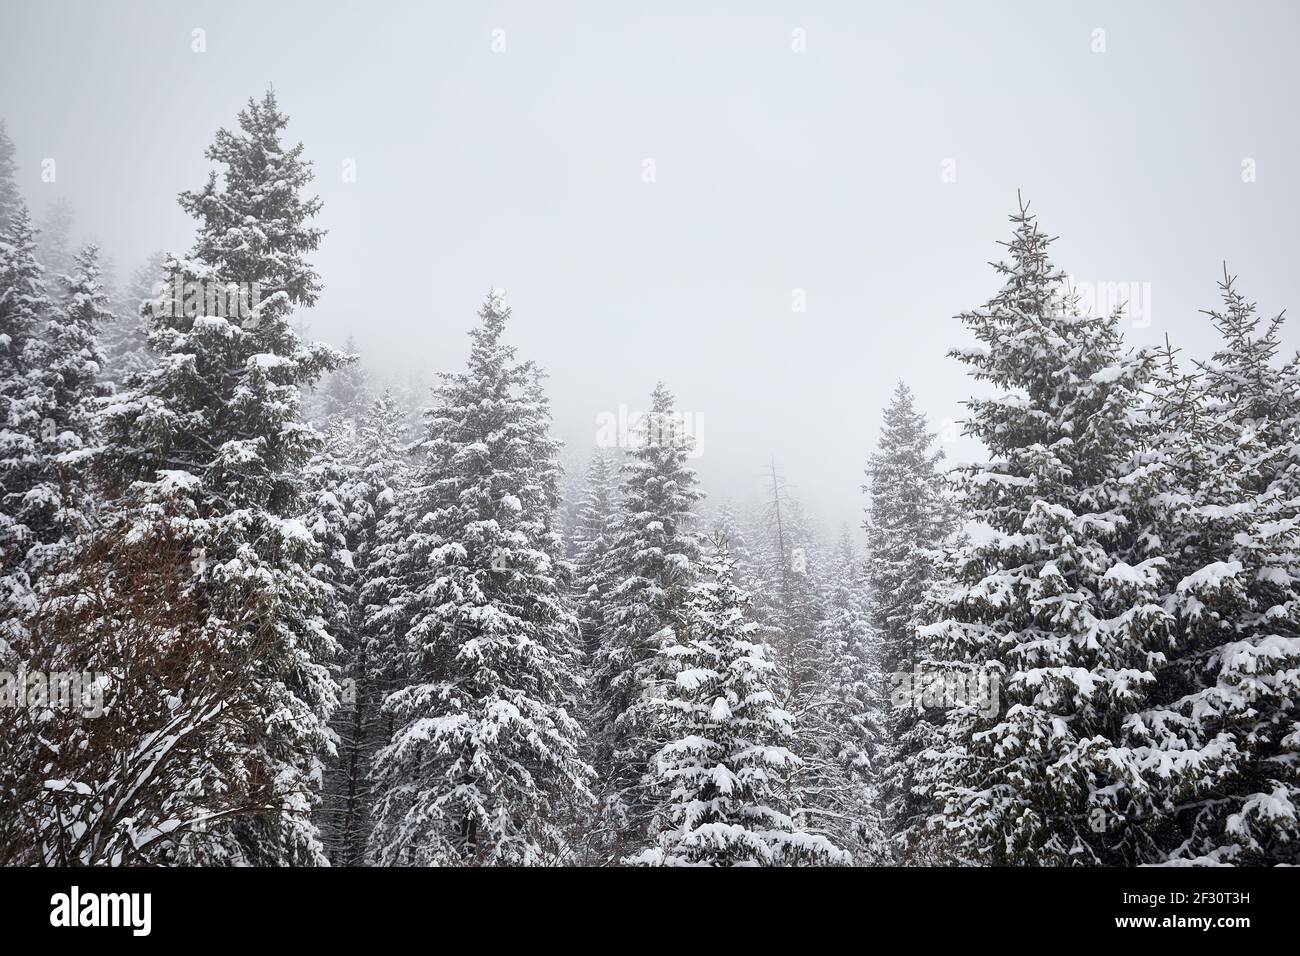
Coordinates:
(355,481)
(590,543)
(24,309)
(334,521)
(1053,624)
(790,565)
(908,517)
(483,766)
(66,362)
(730,525)
(719,776)
(1222,733)
(209,443)
(651,563)
(10,197)
(840,718)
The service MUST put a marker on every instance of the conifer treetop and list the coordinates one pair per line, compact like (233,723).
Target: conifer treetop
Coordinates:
(252,219)
(10,197)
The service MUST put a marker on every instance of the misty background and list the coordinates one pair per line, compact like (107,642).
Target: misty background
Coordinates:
(858,159)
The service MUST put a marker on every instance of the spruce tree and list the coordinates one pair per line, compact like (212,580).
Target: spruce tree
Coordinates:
(1053,623)
(590,542)
(209,443)
(651,563)
(1223,729)
(371,478)
(840,722)
(356,481)
(718,778)
(789,568)
(66,362)
(10,197)
(334,521)
(729,525)
(24,308)
(483,766)
(908,516)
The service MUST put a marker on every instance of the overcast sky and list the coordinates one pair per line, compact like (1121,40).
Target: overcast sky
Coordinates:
(817,160)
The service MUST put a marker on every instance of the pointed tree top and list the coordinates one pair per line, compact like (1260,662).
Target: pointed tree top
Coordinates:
(494,314)
(9,195)
(661,399)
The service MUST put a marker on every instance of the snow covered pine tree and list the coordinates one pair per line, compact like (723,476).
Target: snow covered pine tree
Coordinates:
(65,368)
(719,779)
(483,766)
(208,445)
(357,480)
(10,198)
(24,308)
(1048,633)
(908,516)
(1222,732)
(651,562)
(827,678)
(840,725)
(591,537)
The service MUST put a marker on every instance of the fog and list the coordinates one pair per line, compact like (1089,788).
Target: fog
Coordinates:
(777,208)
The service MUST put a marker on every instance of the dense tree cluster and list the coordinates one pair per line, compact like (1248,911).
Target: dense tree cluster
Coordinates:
(312,634)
